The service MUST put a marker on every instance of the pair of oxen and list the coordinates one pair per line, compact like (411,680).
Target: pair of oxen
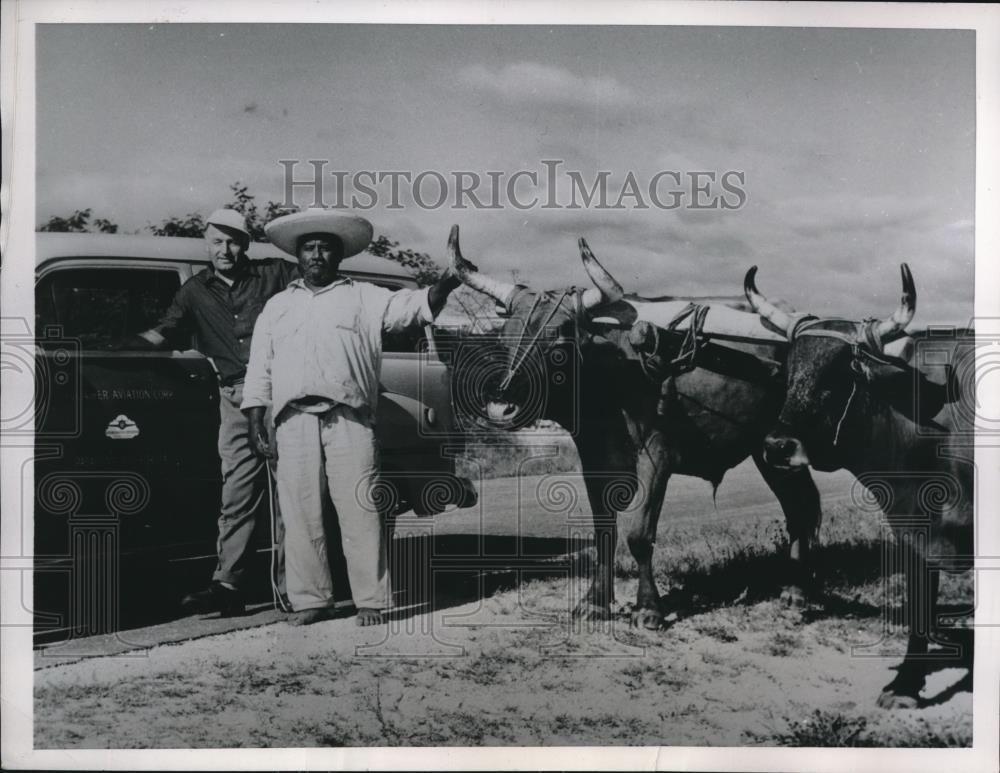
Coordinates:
(648,390)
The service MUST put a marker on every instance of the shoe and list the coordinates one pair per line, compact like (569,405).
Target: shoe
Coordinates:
(215,598)
(310,616)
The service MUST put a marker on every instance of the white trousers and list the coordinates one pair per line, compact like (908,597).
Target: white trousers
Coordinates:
(323,458)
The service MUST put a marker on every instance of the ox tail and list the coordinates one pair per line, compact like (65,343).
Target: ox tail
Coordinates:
(716,480)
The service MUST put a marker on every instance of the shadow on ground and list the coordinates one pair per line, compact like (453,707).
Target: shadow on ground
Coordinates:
(428,571)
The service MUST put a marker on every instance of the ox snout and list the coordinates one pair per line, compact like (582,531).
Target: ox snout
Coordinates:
(784,451)
(501,413)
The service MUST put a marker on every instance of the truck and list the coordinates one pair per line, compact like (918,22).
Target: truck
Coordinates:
(127,481)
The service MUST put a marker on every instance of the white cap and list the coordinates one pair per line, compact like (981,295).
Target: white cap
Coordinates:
(229,218)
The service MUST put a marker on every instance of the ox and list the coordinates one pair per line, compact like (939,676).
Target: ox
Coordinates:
(899,429)
(561,362)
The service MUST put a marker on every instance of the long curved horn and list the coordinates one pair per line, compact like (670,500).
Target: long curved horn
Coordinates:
(892,327)
(607,289)
(473,277)
(780,319)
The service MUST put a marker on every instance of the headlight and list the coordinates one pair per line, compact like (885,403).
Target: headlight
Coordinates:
(431,415)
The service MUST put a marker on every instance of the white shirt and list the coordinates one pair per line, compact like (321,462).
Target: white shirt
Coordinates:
(327,344)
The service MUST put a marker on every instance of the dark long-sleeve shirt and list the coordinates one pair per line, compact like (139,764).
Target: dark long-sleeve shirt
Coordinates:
(223,316)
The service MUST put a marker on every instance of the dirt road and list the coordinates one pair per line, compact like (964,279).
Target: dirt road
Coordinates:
(501,662)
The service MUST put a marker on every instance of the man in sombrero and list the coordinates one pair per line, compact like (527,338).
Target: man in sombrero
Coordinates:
(315,359)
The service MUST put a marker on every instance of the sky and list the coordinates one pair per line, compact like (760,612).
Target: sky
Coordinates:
(856,148)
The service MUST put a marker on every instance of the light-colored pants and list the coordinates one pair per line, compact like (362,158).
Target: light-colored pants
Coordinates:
(244,493)
(326,457)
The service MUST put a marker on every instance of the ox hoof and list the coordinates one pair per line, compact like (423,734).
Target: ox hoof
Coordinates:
(650,619)
(793,597)
(587,610)
(894,700)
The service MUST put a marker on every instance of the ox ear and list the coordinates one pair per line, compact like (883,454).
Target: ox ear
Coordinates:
(620,314)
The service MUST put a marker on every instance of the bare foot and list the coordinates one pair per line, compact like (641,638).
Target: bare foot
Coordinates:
(369,616)
(310,616)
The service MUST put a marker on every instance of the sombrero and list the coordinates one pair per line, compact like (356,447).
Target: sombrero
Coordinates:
(285,231)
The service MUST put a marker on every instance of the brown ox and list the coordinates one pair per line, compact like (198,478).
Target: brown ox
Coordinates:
(900,431)
(558,363)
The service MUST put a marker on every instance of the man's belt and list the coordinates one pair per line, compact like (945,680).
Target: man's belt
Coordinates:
(229,381)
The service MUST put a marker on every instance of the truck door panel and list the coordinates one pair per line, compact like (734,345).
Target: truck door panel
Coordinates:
(146,419)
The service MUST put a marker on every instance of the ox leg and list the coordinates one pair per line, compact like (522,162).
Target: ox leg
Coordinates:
(799,499)
(642,518)
(596,605)
(903,692)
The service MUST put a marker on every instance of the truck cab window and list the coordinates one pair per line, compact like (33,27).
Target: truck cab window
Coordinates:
(101,306)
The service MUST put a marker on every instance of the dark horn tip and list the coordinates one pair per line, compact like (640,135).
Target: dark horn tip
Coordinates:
(749,282)
(909,288)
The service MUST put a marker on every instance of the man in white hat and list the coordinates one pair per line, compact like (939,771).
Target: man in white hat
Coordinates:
(221,304)
(315,361)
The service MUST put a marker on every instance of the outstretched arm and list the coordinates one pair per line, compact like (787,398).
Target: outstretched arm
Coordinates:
(417,307)
(174,324)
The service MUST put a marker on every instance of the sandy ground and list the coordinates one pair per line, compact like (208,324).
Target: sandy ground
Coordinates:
(511,668)
(491,673)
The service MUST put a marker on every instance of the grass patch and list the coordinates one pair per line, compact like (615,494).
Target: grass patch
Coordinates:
(833,729)
(491,668)
(716,631)
(647,671)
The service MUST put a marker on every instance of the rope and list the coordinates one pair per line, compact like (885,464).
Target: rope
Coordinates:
(276,597)
(650,362)
(513,368)
(688,350)
(847,407)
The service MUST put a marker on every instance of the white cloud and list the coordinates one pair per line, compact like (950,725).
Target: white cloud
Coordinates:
(845,212)
(538,83)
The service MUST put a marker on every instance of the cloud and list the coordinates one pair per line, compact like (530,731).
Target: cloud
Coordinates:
(533,83)
(844,213)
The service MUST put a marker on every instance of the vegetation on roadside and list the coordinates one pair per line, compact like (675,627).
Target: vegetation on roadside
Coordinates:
(833,729)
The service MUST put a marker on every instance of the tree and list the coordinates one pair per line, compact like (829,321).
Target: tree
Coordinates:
(192,224)
(424,269)
(79,222)
(245,203)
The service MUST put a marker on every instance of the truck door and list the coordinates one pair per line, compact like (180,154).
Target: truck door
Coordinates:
(126,462)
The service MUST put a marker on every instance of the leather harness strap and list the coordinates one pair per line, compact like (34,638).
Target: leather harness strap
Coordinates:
(686,357)
(865,344)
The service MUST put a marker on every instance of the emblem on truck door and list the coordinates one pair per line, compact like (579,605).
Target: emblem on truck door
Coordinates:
(121,428)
